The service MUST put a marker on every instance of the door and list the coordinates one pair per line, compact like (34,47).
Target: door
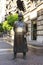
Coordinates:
(34,30)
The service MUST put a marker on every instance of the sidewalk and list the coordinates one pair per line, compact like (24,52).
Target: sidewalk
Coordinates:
(33,57)
(32,43)
(7,39)
(33,46)
(35,43)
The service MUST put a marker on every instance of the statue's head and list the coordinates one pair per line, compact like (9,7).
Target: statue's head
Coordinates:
(20,16)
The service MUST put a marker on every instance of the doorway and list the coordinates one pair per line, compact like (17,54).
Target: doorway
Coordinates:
(34,30)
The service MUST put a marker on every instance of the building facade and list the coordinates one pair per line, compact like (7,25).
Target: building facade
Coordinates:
(6,7)
(33,16)
(2,10)
(35,20)
(10,6)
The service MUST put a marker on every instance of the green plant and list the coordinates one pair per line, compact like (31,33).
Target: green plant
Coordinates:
(12,18)
(6,26)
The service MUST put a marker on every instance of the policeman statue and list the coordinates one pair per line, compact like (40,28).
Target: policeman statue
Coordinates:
(20,43)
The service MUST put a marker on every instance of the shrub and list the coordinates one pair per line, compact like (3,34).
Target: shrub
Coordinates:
(12,18)
(6,26)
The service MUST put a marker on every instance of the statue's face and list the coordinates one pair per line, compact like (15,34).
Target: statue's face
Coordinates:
(20,18)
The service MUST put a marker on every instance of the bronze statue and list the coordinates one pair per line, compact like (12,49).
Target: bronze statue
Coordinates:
(20,43)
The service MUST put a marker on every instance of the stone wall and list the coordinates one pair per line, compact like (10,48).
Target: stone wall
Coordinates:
(40,26)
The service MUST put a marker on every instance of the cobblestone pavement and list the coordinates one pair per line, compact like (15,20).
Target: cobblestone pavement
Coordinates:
(6,56)
(31,59)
